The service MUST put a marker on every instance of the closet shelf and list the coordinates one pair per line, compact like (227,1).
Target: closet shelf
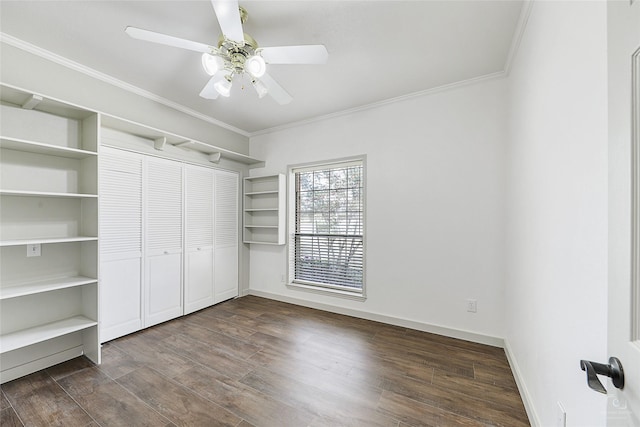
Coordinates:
(36,287)
(165,138)
(45,240)
(260,193)
(262,242)
(26,337)
(26,193)
(18,144)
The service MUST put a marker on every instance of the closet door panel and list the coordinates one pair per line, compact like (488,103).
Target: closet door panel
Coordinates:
(164,293)
(121,301)
(198,292)
(120,242)
(163,240)
(226,236)
(199,225)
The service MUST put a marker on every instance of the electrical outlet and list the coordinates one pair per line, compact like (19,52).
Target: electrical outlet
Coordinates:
(561,416)
(34,250)
(472,305)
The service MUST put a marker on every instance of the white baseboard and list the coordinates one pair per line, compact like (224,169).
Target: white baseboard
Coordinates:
(36,365)
(534,420)
(391,320)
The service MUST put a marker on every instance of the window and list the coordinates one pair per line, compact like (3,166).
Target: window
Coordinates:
(327,222)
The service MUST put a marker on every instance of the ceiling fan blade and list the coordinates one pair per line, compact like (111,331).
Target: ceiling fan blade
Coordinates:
(228,14)
(209,91)
(276,91)
(309,54)
(152,36)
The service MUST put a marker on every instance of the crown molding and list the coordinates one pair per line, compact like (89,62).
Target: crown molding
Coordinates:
(525,12)
(394,100)
(65,62)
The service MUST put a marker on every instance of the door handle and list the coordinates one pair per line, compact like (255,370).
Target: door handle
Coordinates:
(613,370)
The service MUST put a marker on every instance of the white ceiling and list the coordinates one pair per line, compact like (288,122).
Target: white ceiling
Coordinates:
(378,50)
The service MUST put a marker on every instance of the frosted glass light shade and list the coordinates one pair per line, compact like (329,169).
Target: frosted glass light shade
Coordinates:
(255,66)
(260,88)
(223,86)
(211,64)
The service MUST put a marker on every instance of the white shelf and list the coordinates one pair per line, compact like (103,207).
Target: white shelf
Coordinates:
(261,242)
(41,148)
(176,140)
(260,193)
(24,193)
(30,288)
(26,337)
(44,241)
(264,209)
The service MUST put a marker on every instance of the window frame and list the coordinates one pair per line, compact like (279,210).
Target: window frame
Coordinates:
(328,289)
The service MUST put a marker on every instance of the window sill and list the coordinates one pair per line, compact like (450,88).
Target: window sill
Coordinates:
(358,296)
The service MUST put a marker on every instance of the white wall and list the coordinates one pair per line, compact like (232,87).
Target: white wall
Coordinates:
(434,210)
(556,280)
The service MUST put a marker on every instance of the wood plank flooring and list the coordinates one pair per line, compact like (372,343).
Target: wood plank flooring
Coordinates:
(256,362)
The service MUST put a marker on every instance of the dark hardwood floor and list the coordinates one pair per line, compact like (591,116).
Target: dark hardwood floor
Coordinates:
(256,362)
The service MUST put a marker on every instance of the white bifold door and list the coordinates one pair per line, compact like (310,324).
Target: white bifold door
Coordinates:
(199,265)
(226,236)
(170,243)
(120,242)
(163,249)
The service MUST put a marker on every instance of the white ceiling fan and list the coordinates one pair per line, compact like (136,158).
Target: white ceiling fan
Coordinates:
(238,53)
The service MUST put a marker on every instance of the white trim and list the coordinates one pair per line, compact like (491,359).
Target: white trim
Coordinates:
(431,91)
(525,12)
(325,290)
(47,361)
(65,62)
(635,197)
(383,318)
(534,420)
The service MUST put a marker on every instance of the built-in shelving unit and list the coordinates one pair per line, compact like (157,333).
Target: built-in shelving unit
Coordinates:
(161,139)
(48,233)
(264,209)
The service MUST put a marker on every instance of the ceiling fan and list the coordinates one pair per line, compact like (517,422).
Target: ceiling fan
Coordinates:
(238,54)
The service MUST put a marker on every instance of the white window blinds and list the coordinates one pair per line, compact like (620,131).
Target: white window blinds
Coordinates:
(329,226)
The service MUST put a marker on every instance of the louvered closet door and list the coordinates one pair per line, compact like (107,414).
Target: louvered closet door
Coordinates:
(198,289)
(120,243)
(163,240)
(226,236)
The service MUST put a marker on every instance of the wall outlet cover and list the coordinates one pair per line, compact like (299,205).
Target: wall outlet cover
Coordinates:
(34,250)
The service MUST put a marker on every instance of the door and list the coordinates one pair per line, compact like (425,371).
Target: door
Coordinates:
(623,23)
(198,286)
(226,236)
(163,240)
(120,243)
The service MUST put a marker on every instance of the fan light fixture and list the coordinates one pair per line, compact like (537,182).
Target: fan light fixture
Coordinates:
(238,53)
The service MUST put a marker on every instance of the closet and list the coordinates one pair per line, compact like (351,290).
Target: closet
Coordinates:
(170,239)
